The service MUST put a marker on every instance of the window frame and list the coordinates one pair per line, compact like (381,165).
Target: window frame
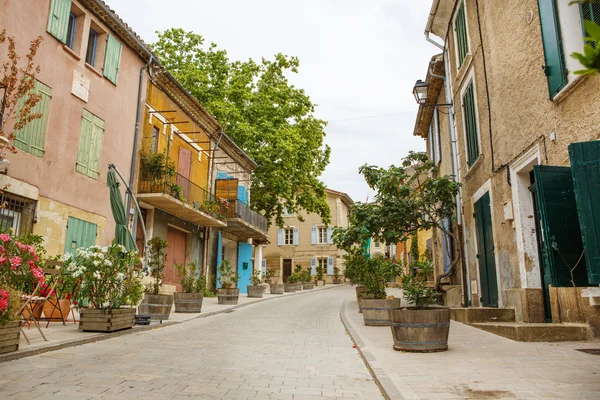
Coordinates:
(324,266)
(459,62)
(470,80)
(289,229)
(71,30)
(94,48)
(321,230)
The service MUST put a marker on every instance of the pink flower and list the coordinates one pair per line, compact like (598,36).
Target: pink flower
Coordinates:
(15,261)
(3,293)
(5,238)
(3,305)
(3,260)
(21,246)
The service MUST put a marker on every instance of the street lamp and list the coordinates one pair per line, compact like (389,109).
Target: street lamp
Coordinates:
(420,92)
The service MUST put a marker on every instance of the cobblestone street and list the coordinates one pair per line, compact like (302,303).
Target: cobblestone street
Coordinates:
(289,348)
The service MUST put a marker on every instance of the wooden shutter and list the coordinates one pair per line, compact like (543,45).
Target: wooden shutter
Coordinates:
(279,237)
(112,59)
(460,27)
(470,116)
(485,252)
(330,264)
(313,266)
(296,235)
(96,148)
(554,69)
(32,137)
(561,240)
(58,19)
(313,235)
(330,235)
(90,145)
(585,170)
(80,233)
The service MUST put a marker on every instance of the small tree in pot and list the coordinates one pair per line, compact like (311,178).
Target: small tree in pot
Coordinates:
(255,290)
(319,276)
(189,300)
(290,285)
(307,282)
(336,276)
(158,306)
(299,281)
(228,293)
(268,276)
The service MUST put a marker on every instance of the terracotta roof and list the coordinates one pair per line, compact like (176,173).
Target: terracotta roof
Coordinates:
(344,196)
(425,114)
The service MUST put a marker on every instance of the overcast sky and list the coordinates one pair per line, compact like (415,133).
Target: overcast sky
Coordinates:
(359,60)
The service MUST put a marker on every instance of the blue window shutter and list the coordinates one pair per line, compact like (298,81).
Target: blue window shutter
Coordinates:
(58,19)
(264,266)
(112,59)
(296,235)
(313,266)
(242,194)
(279,237)
(221,175)
(330,235)
(554,69)
(313,235)
(330,264)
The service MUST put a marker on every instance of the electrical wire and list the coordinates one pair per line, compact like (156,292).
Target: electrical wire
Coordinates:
(372,116)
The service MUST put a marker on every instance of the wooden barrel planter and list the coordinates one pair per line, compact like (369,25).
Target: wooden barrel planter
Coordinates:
(320,283)
(255,291)
(158,306)
(289,287)
(228,296)
(298,286)
(10,334)
(361,297)
(277,288)
(337,281)
(376,311)
(188,302)
(420,330)
(308,285)
(97,320)
(359,290)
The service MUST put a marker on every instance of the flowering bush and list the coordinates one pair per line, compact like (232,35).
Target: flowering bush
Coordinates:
(9,304)
(20,264)
(104,272)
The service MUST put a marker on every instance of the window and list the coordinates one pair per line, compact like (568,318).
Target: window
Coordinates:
(17,212)
(287,213)
(71,30)
(288,236)
(155,133)
(590,12)
(80,233)
(90,55)
(59,21)
(322,262)
(553,49)
(321,235)
(32,137)
(377,243)
(470,124)
(112,59)
(460,30)
(90,145)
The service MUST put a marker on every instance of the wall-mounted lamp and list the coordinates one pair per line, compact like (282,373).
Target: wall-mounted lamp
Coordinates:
(420,93)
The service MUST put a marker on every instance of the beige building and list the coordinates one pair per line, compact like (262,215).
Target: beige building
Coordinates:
(522,140)
(307,243)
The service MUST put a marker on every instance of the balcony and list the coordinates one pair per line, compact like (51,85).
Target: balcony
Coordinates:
(182,198)
(245,223)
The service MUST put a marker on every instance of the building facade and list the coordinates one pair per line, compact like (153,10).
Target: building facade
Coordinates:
(307,243)
(526,153)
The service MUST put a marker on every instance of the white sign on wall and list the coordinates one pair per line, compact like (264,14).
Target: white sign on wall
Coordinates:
(81,86)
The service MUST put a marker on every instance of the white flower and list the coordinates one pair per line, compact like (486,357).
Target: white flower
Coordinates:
(108,263)
(66,257)
(97,275)
(96,262)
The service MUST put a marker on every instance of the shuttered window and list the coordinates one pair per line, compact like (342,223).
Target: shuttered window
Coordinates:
(90,145)
(460,28)
(112,59)
(554,68)
(470,117)
(58,19)
(590,12)
(33,136)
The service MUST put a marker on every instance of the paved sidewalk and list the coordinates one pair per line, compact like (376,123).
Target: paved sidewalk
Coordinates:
(295,348)
(61,336)
(478,365)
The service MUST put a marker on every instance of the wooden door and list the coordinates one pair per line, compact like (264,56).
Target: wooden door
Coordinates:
(184,165)
(287,269)
(485,252)
(176,241)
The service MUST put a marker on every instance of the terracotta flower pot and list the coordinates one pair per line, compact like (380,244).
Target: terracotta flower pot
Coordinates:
(51,312)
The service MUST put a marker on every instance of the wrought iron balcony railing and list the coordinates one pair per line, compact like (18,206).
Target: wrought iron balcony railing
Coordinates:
(237,209)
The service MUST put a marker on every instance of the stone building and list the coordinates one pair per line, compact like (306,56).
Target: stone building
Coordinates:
(523,143)
(307,243)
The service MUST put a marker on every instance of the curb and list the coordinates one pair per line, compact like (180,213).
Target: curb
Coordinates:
(383,381)
(140,329)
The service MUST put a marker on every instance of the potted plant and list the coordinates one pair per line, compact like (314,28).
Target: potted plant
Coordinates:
(157,305)
(58,306)
(290,285)
(110,287)
(319,277)
(298,272)
(255,290)
(189,300)
(336,276)
(10,320)
(268,275)
(228,293)
(307,282)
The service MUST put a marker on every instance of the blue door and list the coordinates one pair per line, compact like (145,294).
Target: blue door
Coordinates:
(244,265)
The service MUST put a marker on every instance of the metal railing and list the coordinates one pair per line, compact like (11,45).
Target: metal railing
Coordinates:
(237,209)
(181,188)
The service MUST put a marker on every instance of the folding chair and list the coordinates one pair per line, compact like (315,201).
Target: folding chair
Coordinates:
(34,302)
(52,276)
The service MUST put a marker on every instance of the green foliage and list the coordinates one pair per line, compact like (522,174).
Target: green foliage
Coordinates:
(590,58)
(319,271)
(270,119)
(336,273)
(304,275)
(373,273)
(268,274)
(10,303)
(228,277)
(255,278)
(414,284)
(190,279)
(133,288)
(414,247)
(157,257)
(176,191)
(156,168)
(293,278)
(298,268)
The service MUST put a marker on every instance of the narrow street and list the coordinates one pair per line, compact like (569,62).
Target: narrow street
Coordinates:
(289,348)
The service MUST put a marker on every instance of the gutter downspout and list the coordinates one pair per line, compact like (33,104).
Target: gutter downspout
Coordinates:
(135,141)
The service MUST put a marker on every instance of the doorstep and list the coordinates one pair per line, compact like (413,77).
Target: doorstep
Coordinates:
(537,332)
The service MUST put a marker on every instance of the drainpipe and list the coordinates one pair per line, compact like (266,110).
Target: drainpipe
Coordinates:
(135,140)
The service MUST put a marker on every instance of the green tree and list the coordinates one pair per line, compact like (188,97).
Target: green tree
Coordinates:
(270,119)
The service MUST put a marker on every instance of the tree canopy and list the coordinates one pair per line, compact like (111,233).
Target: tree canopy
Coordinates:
(270,119)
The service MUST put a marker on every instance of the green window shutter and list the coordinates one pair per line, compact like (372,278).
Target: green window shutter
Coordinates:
(112,59)
(33,136)
(460,27)
(80,233)
(96,148)
(470,116)
(90,145)
(585,168)
(58,19)
(555,70)
(590,12)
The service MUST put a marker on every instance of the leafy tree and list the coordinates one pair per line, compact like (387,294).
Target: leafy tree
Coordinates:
(270,119)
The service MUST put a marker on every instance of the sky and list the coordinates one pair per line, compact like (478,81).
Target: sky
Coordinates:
(359,60)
